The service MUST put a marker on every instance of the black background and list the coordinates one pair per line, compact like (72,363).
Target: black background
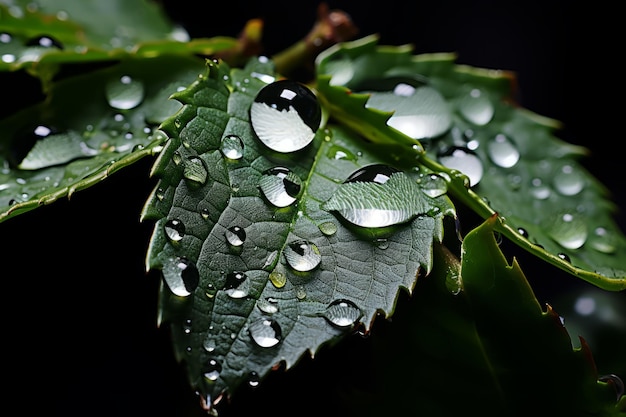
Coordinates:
(80,335)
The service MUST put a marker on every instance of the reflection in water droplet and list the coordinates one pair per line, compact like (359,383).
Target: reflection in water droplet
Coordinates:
(236,285)
(212,369)
(195,170)
(235,236)
(285,116)
(181,276)
(265,332)
(464,161)
(503,151)
(124,93)
(302,256)
(342,313)
(280,186)
(278,279)
(476,107)
(174,229)
(568,181)
(377,173)
(232,147)
(569,230)
(433,185)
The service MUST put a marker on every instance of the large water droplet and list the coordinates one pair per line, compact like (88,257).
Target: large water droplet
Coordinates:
(174,229)
(503,151)
(235,236)
(232,147)
(236,285)
(265,332)
(302,256)
(181,276)
(603,240)
(285,116)
(476,107)
(464,161)
(280,186)
(342,313)
(568,181)
(569,230)
(212,369)
(124,93)
(195,170)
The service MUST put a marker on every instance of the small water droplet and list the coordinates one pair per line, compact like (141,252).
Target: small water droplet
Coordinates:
(195,170)
(232,147)
(209,344)
(124,93)
(503,151)
(265,332)
(302,256)
(465,161)
(278,279)
(175,230)
(522,232)
(433,185)
(476,107)
(603,240)
(181,276)
(564,256)
(339,153)
(568,181)
(253,379)
(212,369)
(539,190)
(328,228)
(45,41)
(342,313)
(235,236)
(268,305)
(236,285)
(569,230)
(285,116)
(280,186)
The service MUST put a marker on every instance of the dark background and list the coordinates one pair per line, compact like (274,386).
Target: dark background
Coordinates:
(80,334)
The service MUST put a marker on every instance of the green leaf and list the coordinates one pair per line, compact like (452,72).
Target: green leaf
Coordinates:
(496,156)
(489,349)
(82,133)
(256,273)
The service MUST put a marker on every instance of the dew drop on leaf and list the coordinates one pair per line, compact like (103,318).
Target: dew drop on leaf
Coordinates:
(568,230)
(195,170)
(236,285)
(465,161)
(181,276)
(124,93)
(302,256)
(235,236)
(212,369)
(539,190)
(342,313)
(232,147)
(280,186)
(285,116)
(328,228)
(268,305)
(568,181)
(175,230)
(278,279)
(433,185)
(503,151)
(45,41)
(476,107)
(603,240)
(265,332)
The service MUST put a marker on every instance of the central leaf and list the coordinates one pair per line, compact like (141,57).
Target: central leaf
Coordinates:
(256,270)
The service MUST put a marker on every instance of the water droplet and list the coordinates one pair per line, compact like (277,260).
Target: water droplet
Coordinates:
(539,190)
(124,93)
(278,279)
(476,107)
(181,276)
(285,116)
(382,243)
(175,230)
(522,232)
(603,240)
(377,173)
(195,170)
(569,230)
(268,305)
(328,228)
(45,41)
(617,383)
(342,313)
(568,181)
(265,332)
(564,256)
(212,369)
(280,186)
(253,379)
(503,151)
(236,285)
(339,153)
(465,161)
(209,344)
(434,185)
(235,236)
(302,256)
(232,147)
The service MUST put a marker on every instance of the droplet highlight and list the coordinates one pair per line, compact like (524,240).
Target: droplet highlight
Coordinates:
(265,332)
(303,256)
(124,93)
(195,170)
(181,276)
(502,151)
(236,285)
(465,161)
(280,186)
(342,313)
(175,230)
(235,236)
(232,147)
